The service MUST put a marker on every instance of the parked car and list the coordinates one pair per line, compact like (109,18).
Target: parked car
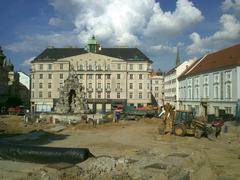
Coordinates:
(18,110)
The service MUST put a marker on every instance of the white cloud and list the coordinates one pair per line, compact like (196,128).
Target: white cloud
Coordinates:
(34,43)
(27,62)
(163,48)
(228,34)
(126,22)
(229,5)
(182,18)
(140,23)
(54,21)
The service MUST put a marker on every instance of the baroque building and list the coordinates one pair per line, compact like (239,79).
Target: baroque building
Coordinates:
(12,92)
(212,83)
(171,83)
(109,76)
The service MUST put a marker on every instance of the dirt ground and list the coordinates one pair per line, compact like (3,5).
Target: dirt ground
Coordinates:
(129,150)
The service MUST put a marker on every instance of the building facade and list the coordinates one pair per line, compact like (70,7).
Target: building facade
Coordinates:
(171,84)
(109,76)
(157,86)
(212,83)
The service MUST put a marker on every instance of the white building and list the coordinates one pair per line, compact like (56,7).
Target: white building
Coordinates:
(212,83)
(110,76)
(171,84)
(157,88)
(24,79)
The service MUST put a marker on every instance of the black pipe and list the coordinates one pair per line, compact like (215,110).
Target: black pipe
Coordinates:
(43,155)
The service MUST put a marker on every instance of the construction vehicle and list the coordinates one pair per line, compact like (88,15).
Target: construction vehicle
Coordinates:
(186,124)
(130,112)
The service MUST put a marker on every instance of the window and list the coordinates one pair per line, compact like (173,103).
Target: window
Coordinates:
(40,94)
(89,95)
(32,85)
(61,76)
(40,85)
(108,67)
(49,94)
(99,95)
(99,67)
(118,66)
(49,76)
(140,95)
(33,76)
(148,86)
(90,67)
(99,76)
(156,95)
(131,66)
(99,85)
(40,76)
(228,75)
(205,79)
(61,85)
(140,66)
(156,81)
(140,85)
(205,91)
(81,67)
(108,86)
(108,76)
(130,95)
(80,76)
(49,66)
(108,95)
(216,91)
(216,78)
(118,85)
(131,86)
(140,76)
(118,95)
(118,76)
(156,88)
(228,91)
(89,85)
(41,66)
(32,94)
(131,76)
(61,66)
(228,110)
(148,95)
(49,85)
(90,76)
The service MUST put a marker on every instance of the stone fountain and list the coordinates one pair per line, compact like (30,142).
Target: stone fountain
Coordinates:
(72,103)
(72,98)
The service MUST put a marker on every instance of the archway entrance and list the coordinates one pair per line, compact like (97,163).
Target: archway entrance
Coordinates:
(71,97)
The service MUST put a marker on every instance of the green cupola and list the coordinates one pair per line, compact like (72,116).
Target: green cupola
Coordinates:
(92,45)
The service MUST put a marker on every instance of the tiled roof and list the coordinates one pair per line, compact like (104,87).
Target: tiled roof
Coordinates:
(222,59)
(130,54)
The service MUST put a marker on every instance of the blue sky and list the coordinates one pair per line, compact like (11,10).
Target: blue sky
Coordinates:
(158,28)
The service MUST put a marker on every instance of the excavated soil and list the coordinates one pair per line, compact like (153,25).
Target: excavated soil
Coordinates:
(129,150)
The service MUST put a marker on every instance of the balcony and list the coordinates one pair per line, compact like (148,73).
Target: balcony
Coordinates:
(108,89)
(89,89)
(98,89)
(118,89)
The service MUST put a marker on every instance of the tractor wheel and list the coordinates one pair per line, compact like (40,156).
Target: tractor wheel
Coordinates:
(211,134)
(198,133)
(180,130)
(218,131)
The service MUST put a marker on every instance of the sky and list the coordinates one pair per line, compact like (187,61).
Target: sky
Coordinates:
(157,27)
